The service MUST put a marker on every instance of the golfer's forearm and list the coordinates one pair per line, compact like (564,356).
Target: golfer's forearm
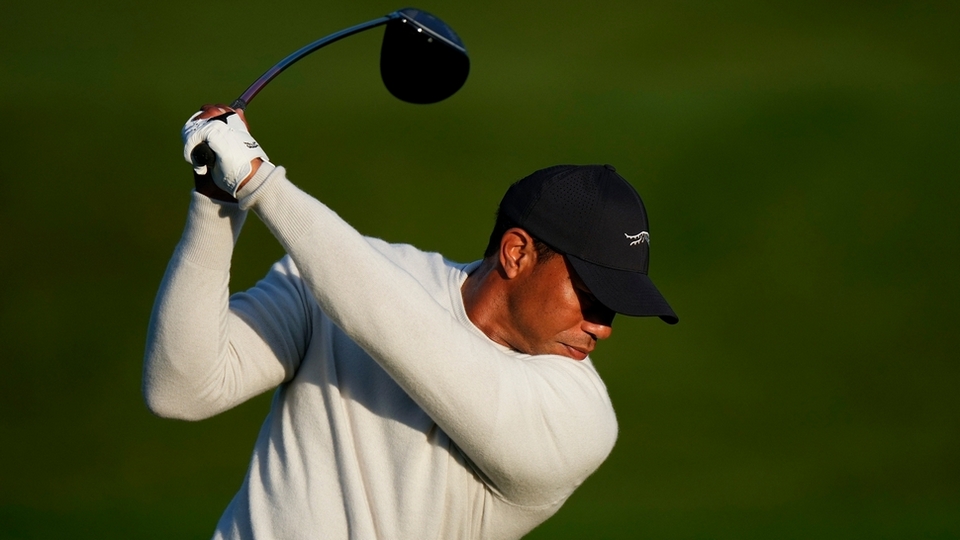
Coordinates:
(459,377)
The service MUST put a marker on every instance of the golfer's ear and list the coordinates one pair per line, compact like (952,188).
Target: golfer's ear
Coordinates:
(517,252)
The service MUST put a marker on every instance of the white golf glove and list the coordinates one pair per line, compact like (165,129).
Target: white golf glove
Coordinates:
(229,139)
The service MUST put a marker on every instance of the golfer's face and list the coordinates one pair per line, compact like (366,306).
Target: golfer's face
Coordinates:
(555,313)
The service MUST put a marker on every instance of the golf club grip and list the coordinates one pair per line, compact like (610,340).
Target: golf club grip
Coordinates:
(202,155)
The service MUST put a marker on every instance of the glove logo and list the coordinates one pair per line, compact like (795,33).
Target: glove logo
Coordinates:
(251,144)
(639,238)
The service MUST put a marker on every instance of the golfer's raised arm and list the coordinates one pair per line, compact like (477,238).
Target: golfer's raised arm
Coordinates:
(204,353)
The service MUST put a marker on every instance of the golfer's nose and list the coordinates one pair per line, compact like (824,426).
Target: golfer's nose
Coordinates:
(599,329)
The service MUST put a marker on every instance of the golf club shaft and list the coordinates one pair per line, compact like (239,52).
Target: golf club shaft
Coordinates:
(203,155)
(248,95)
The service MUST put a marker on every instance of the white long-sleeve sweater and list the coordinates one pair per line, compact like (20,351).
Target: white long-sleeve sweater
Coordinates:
(395,417)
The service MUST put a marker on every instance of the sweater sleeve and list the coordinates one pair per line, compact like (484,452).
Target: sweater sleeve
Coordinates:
(207,352)
(534,427)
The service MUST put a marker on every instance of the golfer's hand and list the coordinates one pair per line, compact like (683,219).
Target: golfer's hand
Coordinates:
(237,155)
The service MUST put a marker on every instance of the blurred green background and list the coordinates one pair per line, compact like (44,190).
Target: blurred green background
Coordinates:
(799,161)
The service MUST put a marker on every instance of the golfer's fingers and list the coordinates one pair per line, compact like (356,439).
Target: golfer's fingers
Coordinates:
(209,111)
(243,117)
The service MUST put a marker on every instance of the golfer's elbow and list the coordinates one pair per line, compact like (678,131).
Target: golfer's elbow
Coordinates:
(167,404)
(162,408)
(178,401)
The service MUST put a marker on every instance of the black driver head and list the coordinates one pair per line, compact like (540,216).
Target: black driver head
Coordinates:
(422,60)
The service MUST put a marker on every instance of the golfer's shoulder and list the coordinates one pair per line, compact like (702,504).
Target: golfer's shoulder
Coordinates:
(561,435)
(579,376)
(580,408)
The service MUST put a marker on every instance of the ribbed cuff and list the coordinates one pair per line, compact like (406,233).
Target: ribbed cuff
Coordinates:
(211,231)
(248,192)
(283,207)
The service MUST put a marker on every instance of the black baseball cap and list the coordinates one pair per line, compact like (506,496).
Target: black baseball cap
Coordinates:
(597,219)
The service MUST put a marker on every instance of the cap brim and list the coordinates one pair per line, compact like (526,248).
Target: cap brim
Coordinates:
(624,291)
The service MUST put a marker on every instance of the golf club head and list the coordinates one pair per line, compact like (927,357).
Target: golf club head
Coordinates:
(422,60)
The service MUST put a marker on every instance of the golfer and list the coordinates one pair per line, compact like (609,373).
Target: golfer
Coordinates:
(415,397)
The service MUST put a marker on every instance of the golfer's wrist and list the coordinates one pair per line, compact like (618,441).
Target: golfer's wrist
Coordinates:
(211,231)
(254,167)
(248,188)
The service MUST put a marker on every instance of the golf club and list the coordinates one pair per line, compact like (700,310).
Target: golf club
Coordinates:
(422,60)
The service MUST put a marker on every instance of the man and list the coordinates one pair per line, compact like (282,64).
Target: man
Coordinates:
(417,398)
